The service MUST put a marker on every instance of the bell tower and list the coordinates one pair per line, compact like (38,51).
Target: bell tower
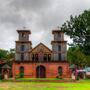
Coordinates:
(59,46)
(23,46)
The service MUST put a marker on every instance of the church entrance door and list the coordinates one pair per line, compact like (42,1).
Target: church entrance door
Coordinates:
(40,72)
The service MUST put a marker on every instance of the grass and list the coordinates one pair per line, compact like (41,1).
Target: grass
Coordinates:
(79,85)
(26,79)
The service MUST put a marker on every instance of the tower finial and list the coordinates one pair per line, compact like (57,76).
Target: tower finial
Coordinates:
(58,27)
(24,27)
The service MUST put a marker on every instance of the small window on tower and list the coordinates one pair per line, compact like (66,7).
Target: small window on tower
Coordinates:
(59,56)
(22,57)
(59,48)
(59,36)
(22,47)
(23,35)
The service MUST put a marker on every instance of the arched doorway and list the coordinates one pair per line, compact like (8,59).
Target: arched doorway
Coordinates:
(6,71)
(40,72)
(21,71)
(60,72)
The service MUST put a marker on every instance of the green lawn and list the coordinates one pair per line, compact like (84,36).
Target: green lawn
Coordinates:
(26,79)
(80,85)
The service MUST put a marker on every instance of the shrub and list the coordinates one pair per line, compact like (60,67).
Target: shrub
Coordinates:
(0,76)
(21,75)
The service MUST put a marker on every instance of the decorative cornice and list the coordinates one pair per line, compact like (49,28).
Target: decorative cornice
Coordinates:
(36,62)
(23,42)
(57,31)
(27,31)
(58,42)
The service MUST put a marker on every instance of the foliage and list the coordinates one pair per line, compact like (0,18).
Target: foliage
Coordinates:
(60,73)
(7,55)
(21,75)
(11,54)
(78,28)
(77,57)
(0,76)
(17,76)
(3,54)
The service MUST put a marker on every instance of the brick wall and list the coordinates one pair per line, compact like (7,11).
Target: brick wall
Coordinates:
(51,69)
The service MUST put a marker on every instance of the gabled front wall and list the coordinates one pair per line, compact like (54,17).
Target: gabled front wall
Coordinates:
(41,48)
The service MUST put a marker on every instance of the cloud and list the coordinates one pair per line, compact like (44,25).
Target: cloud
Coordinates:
(33,5)
(40,16)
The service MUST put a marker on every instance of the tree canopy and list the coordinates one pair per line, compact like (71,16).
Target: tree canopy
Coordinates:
(7,55)
(77,57)
(78,28)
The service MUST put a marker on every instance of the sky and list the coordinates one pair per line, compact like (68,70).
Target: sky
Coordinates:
(40,16)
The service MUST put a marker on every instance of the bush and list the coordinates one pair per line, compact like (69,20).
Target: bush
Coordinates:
(17,76)
(0,76)
(87,77)
(21,75)
(77,78)
(59,77)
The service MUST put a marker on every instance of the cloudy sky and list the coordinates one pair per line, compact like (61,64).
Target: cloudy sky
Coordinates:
(40,16)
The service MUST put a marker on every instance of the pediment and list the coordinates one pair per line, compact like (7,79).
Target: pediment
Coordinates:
(41,48)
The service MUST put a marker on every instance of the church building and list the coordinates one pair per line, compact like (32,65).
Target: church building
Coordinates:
(40,61)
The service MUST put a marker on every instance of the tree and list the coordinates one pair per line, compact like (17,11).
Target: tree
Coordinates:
(11,55)
(78,28)
(7,55)
(77,57)
(3,54)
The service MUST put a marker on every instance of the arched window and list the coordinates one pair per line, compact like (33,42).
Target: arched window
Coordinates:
(45,57)
(33,57)
(36,57)
(21,69)
(49,57)
(60,71)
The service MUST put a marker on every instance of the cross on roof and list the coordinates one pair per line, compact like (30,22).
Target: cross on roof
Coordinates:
(24,27)
(58,27)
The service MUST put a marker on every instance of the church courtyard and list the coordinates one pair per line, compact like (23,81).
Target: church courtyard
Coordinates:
(78,85)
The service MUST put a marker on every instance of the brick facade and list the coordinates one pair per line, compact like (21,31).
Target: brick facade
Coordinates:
(51,69)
